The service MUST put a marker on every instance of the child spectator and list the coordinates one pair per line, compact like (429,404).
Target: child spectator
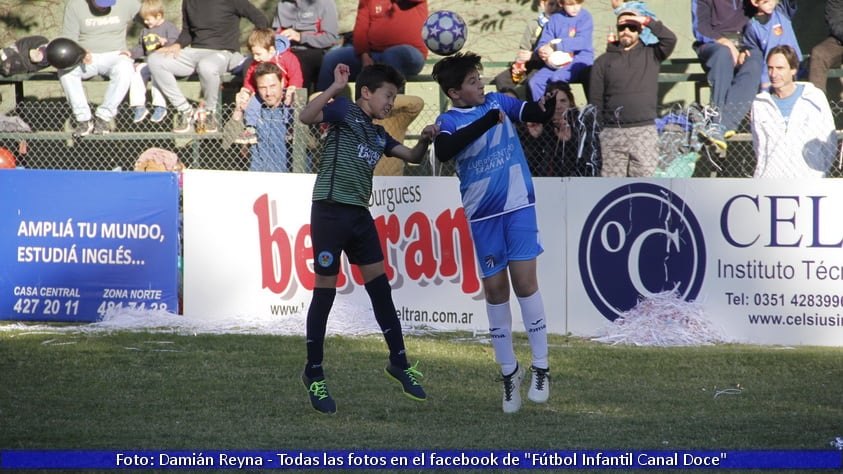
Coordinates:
(514,80)
(266,46)
(566,47)
(770,27)
(24,56)
(158,32)
(499,201)
(340,221)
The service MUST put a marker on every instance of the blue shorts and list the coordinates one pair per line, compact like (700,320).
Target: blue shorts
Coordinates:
(337,228)
(511,236)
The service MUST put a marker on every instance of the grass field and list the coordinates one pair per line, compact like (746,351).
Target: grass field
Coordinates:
(145,390)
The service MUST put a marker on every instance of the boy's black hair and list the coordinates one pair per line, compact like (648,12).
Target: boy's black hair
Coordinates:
(375,75)
(451,71)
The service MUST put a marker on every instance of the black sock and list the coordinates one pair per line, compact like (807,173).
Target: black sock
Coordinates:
(381,295)
(317,323)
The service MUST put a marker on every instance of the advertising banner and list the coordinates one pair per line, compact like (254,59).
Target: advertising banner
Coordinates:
(77,243)
(247,251)
(763,257)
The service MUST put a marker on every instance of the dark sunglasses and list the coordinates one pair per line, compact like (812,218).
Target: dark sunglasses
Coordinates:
(629,26)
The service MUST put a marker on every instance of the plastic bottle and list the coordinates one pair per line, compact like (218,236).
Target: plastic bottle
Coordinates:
(201,121)
(519,70)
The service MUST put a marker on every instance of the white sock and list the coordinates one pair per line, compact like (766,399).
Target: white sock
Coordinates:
(500,331)
(532,313)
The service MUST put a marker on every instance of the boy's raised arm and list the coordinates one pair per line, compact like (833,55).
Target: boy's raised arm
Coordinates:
(312,112)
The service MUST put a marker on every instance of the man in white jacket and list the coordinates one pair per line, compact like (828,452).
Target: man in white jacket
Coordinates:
(792,127)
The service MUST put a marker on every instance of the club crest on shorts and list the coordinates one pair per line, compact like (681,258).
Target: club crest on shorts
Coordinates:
(325,259)
(640,240)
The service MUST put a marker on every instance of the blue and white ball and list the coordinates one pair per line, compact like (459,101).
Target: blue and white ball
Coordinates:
(444,32)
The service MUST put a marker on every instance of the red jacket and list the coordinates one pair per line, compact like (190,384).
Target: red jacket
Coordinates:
(382,24)
(290,71)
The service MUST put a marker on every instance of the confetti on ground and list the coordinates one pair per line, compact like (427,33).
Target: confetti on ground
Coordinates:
(663,319)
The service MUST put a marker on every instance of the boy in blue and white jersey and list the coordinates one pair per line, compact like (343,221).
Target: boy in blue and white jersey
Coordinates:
(498,198)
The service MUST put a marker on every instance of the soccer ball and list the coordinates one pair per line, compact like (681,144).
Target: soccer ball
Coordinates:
(444,32)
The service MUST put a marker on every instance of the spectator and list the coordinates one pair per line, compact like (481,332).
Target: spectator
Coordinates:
(341,221)
(771,26)
(565,145)
(26,55)
(566,47)
(271,117)
(266,46)
(646,36)
(793,130)
(312,26)
(828,54)
(514,80)
(499,202)
(98,26)
(158,33)
(209,44)
(624,89)
(385,31)
(734,78)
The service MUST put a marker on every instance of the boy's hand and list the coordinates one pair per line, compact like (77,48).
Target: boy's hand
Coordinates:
(341,74)
(242,99)
(545,51)
(429,132)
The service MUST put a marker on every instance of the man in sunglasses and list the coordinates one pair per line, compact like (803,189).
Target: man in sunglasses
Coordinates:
(624,89)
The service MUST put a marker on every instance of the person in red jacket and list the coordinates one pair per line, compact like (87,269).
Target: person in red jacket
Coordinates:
(267,46)
(385,31)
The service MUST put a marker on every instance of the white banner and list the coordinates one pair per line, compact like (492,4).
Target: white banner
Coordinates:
(247,249)
(763,257)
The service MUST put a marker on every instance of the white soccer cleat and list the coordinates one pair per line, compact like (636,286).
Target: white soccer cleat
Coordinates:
(539,385)
(512,391)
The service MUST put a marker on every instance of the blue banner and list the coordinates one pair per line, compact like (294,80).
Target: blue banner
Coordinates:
(74,244)
(415,460)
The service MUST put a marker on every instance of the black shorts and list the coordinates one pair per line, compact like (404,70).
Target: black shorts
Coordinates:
(337,228)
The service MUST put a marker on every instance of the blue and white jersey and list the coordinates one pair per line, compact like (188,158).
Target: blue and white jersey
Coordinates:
(493,172)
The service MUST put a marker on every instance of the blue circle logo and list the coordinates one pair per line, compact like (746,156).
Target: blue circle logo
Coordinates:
(640,240)
(325,259)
